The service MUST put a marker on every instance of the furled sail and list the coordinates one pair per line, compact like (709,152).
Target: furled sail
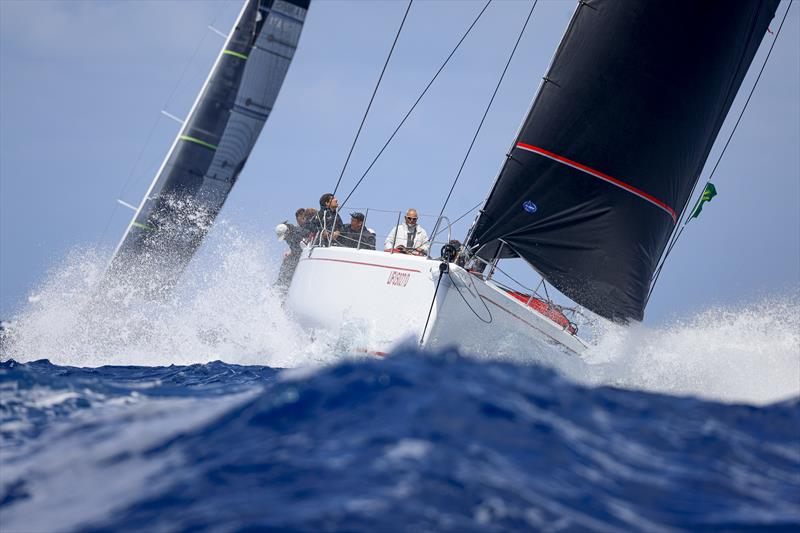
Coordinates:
(213,145)
(615,141)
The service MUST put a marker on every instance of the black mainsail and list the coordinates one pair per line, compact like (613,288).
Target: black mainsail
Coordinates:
(615,141)
(213,145)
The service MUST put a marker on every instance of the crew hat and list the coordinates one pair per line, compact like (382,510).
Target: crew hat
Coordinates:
(357,216)
(280,231)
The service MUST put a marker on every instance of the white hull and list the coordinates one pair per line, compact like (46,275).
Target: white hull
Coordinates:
(371,300)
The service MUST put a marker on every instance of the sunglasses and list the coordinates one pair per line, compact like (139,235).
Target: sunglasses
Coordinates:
(412,218)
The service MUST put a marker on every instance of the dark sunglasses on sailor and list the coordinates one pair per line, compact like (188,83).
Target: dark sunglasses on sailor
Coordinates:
(412,218)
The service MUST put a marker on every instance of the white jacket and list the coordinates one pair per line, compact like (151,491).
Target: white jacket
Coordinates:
(420,239)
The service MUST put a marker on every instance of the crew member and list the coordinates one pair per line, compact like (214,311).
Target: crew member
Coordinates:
(327,224)
(295,238)
(409,237)
(355,235)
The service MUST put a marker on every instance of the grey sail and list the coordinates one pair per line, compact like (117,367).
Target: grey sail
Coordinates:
(213,145)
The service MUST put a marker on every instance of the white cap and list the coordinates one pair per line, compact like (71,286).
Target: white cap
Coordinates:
(280,231)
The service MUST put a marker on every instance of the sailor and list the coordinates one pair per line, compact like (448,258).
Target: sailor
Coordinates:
(408,237)
(300,217)
(295,239)
(355,235)
(308,224)
(327,224)
(303,217)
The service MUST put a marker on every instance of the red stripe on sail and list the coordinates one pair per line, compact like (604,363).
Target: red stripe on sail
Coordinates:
(597,174)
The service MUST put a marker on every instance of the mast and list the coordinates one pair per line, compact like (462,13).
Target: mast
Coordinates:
(614,142)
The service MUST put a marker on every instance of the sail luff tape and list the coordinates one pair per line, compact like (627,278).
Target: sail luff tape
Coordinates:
(198,141)
(235,54)
(143,226)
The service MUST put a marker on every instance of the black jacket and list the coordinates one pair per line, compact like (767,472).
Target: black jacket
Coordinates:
(326,219)
(349,238)
(294,238)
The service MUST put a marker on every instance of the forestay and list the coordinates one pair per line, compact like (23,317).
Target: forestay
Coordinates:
(615,141)
(213,145)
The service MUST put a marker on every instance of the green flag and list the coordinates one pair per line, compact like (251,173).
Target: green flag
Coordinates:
(708,193)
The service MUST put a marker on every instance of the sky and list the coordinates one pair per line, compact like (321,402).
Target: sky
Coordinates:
(82,86)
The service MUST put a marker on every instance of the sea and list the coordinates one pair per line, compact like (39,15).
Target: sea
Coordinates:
(214,411)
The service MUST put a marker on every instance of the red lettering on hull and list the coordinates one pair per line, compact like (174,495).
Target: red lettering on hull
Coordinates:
(398,279)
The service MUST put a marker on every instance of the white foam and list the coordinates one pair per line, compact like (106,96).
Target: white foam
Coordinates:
(408,449)
(224,309)
(748,354)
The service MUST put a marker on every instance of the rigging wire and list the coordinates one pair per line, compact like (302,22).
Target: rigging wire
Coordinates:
(525,287)
(470,210)
(441,68)
(677,235)
(156,122)
(486,111)
(372,98)
(485,321)
(442,269)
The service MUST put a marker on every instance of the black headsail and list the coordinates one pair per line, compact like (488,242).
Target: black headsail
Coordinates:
(213,145)
(615,141)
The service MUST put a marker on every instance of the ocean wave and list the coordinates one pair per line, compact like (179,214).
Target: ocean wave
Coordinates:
(414,442)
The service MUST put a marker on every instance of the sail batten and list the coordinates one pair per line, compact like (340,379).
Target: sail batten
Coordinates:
(615,141)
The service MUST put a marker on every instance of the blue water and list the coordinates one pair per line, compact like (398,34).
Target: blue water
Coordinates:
(414,442)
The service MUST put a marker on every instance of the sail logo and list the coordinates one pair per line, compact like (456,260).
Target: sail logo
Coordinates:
(530,207)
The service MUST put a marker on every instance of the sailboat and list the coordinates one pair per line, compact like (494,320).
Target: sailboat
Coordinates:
(212,147)
(590,192)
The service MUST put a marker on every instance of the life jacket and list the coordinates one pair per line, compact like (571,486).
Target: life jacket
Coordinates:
(551,311)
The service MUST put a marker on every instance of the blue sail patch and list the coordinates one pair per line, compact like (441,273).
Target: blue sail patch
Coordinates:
(529,206)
